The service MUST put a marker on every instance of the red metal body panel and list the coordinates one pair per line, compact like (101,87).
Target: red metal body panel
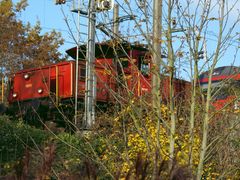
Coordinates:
(43,78)
(106,79)
(219,78)
(220,103)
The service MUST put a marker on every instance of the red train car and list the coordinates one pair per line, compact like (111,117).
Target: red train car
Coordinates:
(119,71)
(225,82)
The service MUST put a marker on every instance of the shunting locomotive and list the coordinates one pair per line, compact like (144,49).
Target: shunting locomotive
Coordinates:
(120,71)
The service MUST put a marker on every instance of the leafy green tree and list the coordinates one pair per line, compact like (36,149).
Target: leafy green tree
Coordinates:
(40,49)
(23,46)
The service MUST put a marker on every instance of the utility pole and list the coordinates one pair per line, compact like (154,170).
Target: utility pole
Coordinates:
(91,81)
(90,91)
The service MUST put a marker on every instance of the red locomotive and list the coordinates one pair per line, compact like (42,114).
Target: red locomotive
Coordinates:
(225,85)
(119,71)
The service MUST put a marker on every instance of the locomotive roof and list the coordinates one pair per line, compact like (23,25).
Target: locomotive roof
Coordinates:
(222,71)
(106,50)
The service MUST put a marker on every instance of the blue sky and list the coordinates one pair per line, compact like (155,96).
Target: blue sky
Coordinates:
(51,17)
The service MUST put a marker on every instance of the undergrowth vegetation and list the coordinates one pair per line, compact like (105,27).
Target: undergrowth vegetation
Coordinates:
(127,145)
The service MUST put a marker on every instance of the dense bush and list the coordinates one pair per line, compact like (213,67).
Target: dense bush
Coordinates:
(125,146)
(16,137)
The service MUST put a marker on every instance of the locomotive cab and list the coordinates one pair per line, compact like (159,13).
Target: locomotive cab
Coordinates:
(124,62)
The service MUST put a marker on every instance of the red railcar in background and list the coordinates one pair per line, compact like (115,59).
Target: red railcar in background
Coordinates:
(225,86)
(120,71)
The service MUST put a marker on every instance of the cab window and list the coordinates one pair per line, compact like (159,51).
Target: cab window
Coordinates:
(82,74)
(144,66)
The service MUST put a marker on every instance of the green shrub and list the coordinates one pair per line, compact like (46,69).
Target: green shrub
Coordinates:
(15,138)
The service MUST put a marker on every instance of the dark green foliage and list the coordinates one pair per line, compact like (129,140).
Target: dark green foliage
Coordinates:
(16,137)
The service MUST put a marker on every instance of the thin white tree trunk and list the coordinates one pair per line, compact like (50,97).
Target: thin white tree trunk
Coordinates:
(207,113)
(171,86)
